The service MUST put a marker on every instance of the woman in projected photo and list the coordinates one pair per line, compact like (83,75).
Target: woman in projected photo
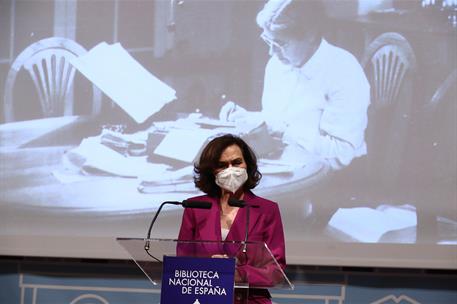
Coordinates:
(227,169)
(315,95)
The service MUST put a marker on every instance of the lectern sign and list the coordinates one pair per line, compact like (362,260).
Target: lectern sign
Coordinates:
(189,280)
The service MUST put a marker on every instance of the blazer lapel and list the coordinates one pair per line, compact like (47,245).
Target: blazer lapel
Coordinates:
(238,230)
(210,225)
(210,228)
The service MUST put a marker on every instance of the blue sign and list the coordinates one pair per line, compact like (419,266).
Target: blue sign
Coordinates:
(189,280)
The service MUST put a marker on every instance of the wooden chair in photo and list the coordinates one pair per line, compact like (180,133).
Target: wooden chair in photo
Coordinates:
(435,163)
(390,64)
(48,63)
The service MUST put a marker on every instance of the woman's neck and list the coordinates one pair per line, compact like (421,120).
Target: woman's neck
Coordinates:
(310,47)
(226,195)
(228,213)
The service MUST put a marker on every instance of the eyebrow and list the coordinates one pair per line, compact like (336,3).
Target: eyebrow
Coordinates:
(238,159)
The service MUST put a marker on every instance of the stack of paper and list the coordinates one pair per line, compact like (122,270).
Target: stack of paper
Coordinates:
(124,80)
(369,225)
(97,159)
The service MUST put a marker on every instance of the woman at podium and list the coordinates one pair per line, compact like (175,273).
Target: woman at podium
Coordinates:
(227,172)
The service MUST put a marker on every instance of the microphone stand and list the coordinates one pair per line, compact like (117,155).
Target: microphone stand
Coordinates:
(184,204)
(245,245)
(241,204)
(147,244)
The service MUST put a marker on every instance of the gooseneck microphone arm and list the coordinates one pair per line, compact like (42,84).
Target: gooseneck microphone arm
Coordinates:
(245,246)
(185,204)
(146,246)
(241,204)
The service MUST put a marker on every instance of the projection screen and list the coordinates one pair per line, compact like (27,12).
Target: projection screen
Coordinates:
(94,161)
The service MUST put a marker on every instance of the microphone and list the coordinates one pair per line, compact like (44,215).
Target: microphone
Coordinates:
(233,202)
(195,204)
(241,204)
(184,204)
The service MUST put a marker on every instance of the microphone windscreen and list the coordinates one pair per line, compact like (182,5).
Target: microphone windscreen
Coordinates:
(236,203)
(196,204)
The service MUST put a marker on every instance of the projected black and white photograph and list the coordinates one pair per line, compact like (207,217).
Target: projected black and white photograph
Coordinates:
(350,106)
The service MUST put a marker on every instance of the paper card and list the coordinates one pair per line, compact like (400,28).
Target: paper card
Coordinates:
(183,144)
(112,69)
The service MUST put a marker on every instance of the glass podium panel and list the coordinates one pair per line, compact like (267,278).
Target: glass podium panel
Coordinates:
(256,267)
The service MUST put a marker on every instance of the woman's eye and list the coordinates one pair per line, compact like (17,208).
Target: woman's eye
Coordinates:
(221,165)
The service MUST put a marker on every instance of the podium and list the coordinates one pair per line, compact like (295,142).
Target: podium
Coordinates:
(255,266)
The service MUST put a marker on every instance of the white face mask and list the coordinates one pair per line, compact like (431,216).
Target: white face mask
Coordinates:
(231,178)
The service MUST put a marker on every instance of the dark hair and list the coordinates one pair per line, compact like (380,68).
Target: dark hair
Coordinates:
(204,177)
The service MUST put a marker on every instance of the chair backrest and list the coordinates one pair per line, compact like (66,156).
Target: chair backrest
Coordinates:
(389,63)
(438,136)
(48,63)
(433,161)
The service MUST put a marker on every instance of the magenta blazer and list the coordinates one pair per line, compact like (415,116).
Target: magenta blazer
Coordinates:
(265,226)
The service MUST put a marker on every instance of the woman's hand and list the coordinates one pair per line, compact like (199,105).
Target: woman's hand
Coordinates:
(220,256)
(232,112)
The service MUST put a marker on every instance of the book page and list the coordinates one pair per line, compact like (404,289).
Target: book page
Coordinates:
(114,71)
